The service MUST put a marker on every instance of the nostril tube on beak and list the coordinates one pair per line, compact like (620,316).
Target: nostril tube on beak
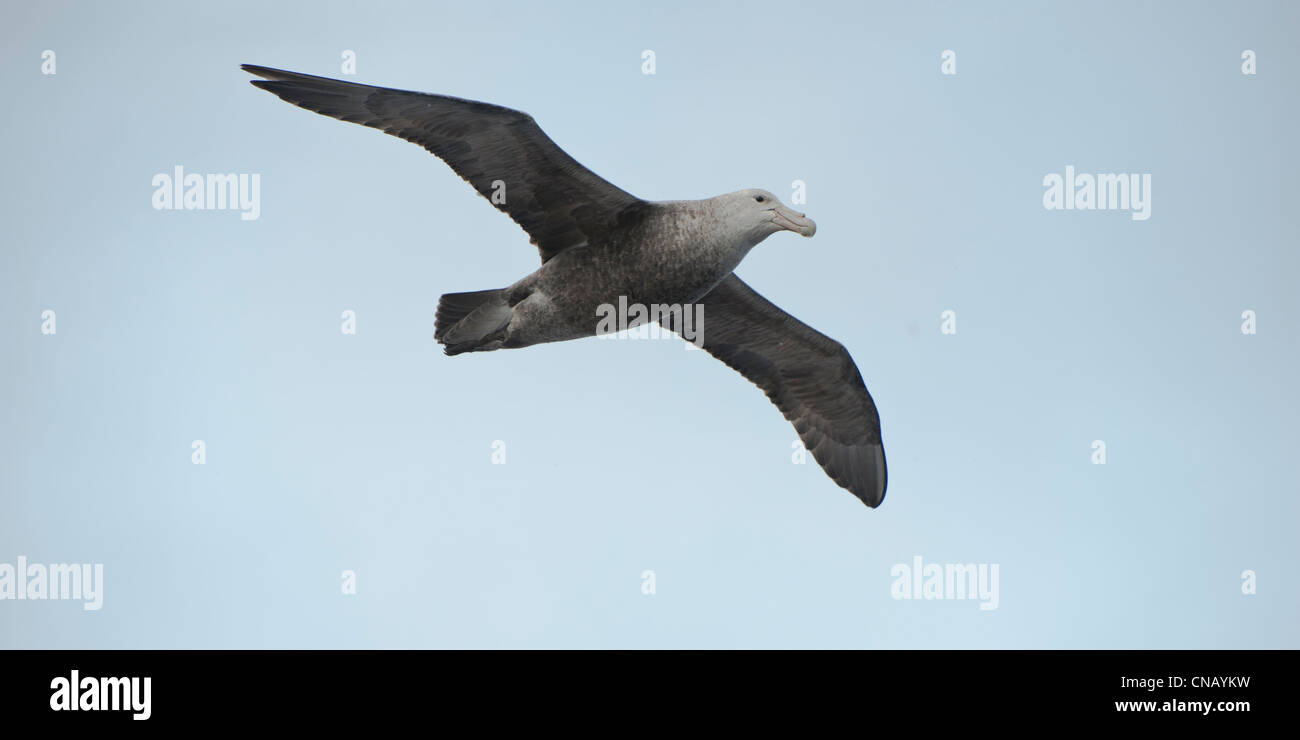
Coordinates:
(791,220)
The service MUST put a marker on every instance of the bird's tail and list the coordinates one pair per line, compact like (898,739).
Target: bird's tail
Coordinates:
(472,322)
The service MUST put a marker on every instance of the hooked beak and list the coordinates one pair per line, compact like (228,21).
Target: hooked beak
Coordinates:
(792,221)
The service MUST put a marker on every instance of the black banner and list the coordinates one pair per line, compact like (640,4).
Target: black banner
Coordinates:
(966,688)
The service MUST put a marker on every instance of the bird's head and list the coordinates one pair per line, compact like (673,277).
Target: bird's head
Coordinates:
(763,214)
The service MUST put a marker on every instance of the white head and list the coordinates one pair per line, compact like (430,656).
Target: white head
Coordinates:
(762,214)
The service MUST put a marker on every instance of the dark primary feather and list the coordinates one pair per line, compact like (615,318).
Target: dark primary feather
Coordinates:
(808,375)
(555,199)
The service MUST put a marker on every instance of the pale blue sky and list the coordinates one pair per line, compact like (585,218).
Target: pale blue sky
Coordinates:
(372,452)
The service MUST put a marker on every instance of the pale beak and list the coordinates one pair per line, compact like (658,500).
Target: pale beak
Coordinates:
(792,221)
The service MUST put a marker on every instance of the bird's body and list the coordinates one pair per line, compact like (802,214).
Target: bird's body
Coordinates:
(601,246)
(643,260)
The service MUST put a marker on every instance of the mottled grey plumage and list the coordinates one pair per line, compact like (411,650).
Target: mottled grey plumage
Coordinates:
(599,243)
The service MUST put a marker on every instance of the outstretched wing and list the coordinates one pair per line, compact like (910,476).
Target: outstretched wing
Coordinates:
(557,201)
(808,375)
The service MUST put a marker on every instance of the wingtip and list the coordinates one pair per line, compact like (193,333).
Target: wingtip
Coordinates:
(266,73)
(873,494)
(871,499)
(271,73)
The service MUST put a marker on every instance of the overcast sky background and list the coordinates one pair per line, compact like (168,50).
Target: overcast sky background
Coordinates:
(372,453)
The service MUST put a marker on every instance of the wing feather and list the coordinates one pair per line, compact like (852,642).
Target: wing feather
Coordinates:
(555,199)
(810,377)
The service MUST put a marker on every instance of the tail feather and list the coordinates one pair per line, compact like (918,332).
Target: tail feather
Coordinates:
(452,307)
(468,322)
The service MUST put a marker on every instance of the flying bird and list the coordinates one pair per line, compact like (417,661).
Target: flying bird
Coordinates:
(599,243)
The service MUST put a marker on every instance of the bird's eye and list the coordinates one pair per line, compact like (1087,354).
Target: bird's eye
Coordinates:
(759,198)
